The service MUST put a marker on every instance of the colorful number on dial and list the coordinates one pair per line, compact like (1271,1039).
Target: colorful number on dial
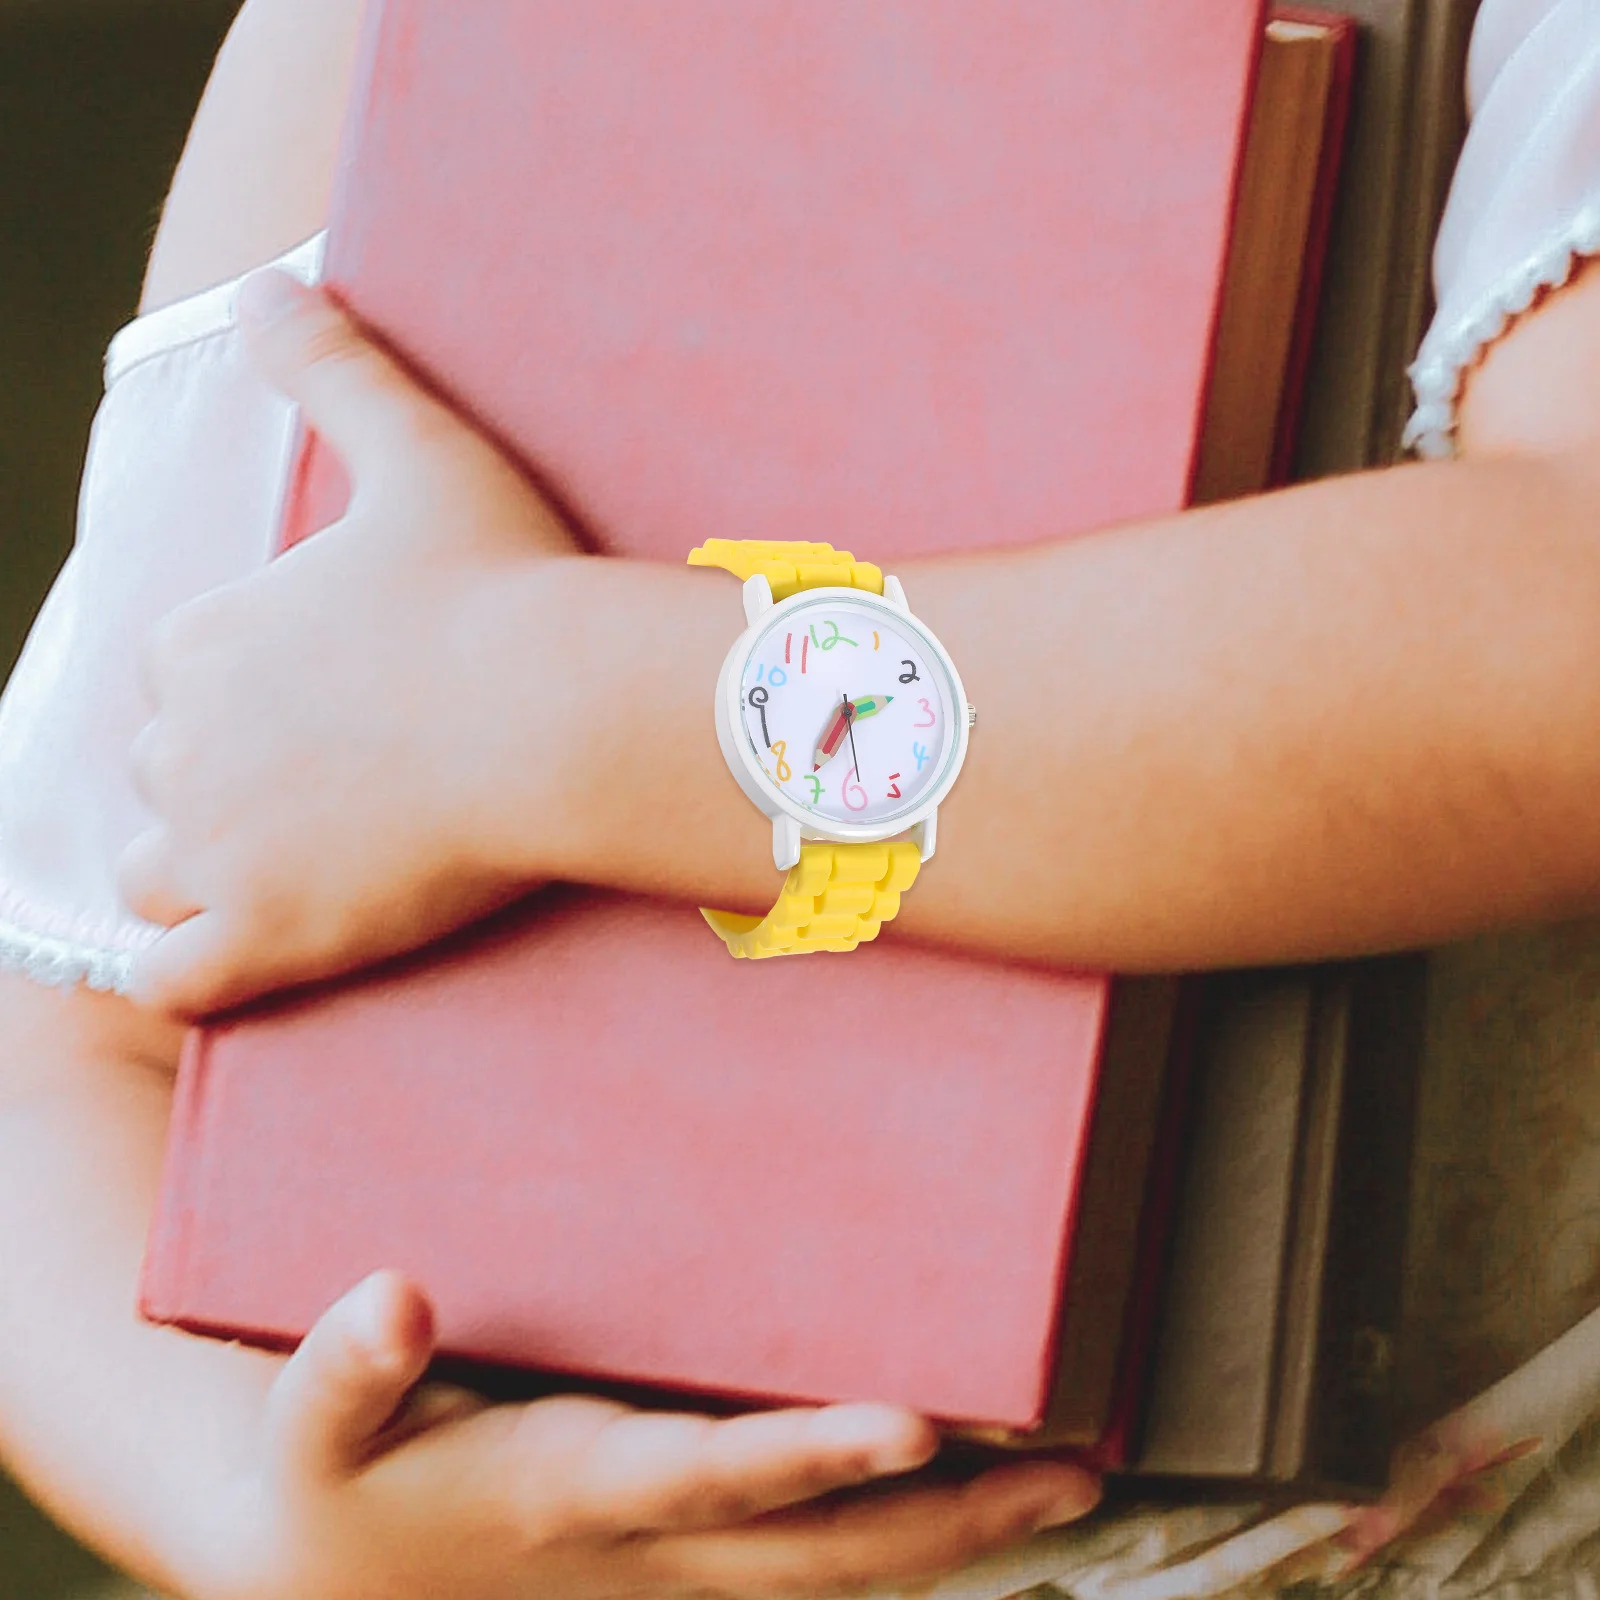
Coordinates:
(809,686)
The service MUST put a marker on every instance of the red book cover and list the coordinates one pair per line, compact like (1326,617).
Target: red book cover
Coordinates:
(911,275)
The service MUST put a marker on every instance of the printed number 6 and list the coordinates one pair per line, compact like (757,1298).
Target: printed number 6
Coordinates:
(852,787)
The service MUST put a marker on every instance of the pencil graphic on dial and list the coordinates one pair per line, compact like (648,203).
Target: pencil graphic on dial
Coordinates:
(833,736)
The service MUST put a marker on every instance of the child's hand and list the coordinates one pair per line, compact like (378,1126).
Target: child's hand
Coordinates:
(366,1492)
(333,734)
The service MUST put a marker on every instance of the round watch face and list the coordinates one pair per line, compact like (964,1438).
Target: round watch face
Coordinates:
(848,712)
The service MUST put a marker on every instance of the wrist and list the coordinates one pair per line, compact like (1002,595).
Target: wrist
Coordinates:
(639,795)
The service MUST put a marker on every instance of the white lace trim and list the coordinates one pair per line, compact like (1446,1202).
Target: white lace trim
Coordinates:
(62,963)
(1436,375)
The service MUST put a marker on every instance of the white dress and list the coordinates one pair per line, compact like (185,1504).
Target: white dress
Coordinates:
(186,469)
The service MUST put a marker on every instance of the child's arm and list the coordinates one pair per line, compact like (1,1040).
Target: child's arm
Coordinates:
(1357,714)
(217,1473)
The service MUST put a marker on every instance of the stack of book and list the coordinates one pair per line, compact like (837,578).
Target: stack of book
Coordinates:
(1270,1038)
(928,278)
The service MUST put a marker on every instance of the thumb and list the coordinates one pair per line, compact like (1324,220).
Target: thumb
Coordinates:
(349,1378)
(348,389)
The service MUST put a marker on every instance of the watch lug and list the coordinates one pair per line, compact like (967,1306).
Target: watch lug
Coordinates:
(926,835)
(895,593)
(758,599)
(785,840)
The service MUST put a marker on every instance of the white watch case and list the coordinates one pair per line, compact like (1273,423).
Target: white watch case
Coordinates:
(790,822)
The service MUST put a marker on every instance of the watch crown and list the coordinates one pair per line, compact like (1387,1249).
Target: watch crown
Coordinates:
(972,716)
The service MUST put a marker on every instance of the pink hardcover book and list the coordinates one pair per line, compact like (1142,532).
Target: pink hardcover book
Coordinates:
(909,275)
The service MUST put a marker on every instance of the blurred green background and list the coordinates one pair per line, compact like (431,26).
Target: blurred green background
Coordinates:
(95,96)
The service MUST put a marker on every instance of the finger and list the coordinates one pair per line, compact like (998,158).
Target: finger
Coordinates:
(151,671)
(203,965)
(379,418)
(908,1537)
(348,389)
(647,1472)
(144,766)
(162,764)
(349,1379)
(148,880)
(174,650)
(197,968)
(429,1408)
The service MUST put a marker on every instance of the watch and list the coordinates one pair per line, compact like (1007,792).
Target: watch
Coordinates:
(843,718)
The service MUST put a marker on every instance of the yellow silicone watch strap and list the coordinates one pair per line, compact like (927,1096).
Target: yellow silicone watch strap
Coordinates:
(789,567)
(838,894)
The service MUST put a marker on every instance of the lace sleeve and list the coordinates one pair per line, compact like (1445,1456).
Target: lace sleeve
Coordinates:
(186,465)
(1525,203)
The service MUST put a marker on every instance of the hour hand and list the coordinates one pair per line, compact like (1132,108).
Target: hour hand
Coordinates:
(845,715)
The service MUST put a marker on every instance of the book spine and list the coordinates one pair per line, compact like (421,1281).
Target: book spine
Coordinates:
(1116,1447)
(1241,150)
(1351,1427)
(1318,236)
(163,1274)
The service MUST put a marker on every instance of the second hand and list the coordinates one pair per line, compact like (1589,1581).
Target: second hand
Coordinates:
(850,727)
